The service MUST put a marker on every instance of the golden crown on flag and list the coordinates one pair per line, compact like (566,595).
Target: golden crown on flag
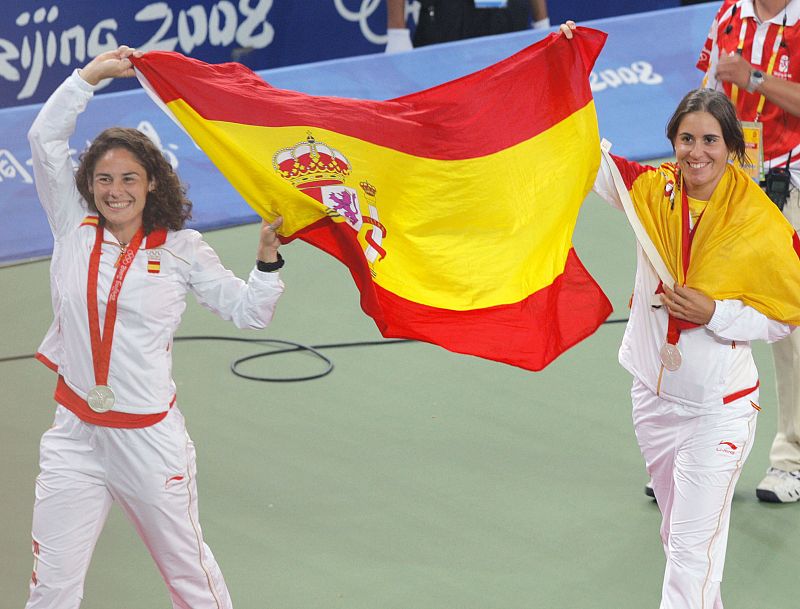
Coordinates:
(311,163)
(368,188)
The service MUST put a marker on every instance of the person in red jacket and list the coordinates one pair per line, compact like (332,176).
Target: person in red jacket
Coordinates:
(753,54)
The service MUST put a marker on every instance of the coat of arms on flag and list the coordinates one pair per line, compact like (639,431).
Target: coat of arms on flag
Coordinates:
(479,183)
(320,172)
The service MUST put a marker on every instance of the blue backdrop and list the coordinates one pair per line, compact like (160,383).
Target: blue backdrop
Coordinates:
(636,83)
(41,41)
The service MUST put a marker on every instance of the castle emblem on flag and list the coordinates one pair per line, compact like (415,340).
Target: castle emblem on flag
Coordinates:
(320,172)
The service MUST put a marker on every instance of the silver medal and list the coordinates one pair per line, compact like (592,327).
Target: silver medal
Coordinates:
(670,357)
(100,398)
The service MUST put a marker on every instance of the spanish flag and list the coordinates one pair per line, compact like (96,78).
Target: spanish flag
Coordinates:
(743,248)
(453,207)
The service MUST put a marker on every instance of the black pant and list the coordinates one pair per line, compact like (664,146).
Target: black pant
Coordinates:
(447,20)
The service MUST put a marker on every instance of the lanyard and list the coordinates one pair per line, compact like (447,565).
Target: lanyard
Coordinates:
(101,346)
(770,66)
(675,325)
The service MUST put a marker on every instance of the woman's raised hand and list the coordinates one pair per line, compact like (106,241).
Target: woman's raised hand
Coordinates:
(566,29)
(111,64)
(268,242)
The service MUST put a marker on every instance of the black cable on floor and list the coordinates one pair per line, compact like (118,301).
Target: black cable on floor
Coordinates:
(13,358)
(287,347)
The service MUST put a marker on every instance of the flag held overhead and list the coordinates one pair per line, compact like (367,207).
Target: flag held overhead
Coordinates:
(453,207)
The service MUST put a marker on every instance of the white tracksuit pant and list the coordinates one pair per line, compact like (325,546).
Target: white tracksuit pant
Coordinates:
(694,457)
(785,452)
(150,473)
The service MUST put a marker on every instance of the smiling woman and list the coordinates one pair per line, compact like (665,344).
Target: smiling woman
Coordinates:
(695,389)
(734,266)
(125,177)
(701,154)
(120,188)
(123,259)
(705,133)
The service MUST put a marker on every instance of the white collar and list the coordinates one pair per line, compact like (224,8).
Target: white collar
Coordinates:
(792,12)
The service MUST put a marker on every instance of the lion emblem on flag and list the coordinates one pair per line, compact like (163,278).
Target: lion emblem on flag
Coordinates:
(321,172)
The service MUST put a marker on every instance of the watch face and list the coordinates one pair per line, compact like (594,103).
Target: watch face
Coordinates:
(756,79)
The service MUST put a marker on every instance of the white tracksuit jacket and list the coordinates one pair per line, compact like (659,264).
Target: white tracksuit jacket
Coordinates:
(717,358)
(150,304)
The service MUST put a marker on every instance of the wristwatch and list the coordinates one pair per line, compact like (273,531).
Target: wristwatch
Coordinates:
(756,80)
(270,267)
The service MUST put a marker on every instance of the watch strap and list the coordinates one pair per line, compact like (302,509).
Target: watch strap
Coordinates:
(756,80)
(270,267)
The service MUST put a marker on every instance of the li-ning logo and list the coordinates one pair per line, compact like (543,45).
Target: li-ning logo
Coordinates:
(173,481)
(727,447)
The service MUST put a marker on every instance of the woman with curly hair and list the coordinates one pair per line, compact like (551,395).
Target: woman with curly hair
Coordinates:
(122,267)
(167,205)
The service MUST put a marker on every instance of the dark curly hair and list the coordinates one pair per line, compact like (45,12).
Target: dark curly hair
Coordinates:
(720,107)
(166,205)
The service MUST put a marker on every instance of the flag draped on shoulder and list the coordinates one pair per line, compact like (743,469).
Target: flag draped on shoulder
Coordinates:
(743,247)
(453,207)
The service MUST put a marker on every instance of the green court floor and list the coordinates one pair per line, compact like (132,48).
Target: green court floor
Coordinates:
(409,478)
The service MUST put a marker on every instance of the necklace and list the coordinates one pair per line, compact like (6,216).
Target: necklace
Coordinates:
(122,249)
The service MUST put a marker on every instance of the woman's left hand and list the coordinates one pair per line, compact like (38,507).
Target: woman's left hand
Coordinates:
(688,304)
(111,64)
(567,29)
(268,242)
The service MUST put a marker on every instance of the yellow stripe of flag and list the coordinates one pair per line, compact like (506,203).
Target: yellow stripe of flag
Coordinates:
(505,207)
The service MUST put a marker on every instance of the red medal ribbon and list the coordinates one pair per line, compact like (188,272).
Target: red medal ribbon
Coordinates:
(101,345)
(687,236)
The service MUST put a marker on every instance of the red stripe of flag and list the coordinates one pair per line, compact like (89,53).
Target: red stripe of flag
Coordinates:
(420,123)
(529,334)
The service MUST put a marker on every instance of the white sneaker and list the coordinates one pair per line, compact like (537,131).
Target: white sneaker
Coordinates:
(779,486)
(648,489)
